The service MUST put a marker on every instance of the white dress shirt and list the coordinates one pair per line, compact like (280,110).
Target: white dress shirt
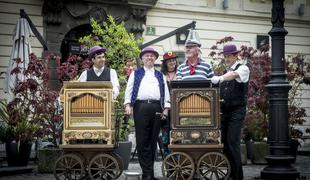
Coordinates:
(113,78)
(149,88)
(243,71)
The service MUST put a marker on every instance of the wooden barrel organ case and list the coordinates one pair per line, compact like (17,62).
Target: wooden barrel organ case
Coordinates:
(195,136)
(89,133)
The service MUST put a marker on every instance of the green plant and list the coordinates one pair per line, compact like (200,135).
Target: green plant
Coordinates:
(120,46)
(125,129)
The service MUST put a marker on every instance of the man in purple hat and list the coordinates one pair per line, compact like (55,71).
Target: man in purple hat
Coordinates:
(234,88)
(99,72)
(146,95)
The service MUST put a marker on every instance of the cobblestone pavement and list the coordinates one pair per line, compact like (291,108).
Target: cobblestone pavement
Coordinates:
(251,171)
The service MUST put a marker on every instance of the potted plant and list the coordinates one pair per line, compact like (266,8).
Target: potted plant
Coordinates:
(18,149)
(124,145)
(27,109)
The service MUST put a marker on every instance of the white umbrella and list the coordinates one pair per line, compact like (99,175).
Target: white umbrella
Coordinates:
(21,49)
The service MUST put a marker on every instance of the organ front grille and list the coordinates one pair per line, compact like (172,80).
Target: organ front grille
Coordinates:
(194,105)
(87,105)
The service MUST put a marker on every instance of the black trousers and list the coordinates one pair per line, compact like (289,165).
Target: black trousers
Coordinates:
(231,124)
(147,125)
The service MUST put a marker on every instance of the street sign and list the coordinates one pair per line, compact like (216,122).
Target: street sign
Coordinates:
(150,30)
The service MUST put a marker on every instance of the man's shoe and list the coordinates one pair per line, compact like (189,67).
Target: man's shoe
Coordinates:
(147,177)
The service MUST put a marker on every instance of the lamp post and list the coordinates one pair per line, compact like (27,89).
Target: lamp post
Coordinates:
(279,160)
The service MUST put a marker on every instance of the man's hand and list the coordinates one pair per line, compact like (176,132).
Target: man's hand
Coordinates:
(128,109)
(164,114)
(217,79)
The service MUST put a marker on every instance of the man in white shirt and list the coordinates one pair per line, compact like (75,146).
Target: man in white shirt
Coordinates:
(99,72)
(147,93)
(234,88)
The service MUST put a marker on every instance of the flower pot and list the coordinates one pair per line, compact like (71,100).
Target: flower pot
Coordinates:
(18,155)
(259,151)
(47,158)
(243,152)
(249,148)
(293,148)
(124,151)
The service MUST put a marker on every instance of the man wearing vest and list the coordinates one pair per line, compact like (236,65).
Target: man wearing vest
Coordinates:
(147,93)
(99,72)
(233,90)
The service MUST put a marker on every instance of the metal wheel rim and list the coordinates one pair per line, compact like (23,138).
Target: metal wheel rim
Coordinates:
(178,166)
(104,166)
(213,166)
(69,167)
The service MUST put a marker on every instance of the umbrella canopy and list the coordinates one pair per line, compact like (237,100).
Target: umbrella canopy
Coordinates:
(21,49)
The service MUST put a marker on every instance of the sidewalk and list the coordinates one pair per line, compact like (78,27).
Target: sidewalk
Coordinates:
(251,172)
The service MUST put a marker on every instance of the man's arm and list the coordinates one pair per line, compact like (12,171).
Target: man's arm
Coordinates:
(128,93)
(83,76)
(178,74)
(115,83)
(241,75)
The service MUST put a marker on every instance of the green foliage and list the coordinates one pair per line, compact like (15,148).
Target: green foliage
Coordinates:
(22,130)
(125,130)
(120,46)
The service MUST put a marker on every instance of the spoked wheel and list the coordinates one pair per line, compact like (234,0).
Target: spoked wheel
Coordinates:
(213,166)
(69,167)
(178,166)
(104,166)
(120,162)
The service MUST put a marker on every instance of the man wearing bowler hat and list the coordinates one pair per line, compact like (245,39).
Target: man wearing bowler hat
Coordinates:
(234,88)
(99,72)
(147,95)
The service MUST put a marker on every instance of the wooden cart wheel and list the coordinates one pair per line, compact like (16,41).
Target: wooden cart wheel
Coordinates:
(178,166)
(120,162)
(69,166)
(104,166)
(213,165)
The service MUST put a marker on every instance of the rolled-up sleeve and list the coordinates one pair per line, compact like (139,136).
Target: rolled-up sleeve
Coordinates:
(83,76)
(167,103)
(244,74)
(115,83)
(129,87)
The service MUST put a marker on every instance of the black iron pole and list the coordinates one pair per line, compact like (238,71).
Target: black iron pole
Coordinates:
(279,161)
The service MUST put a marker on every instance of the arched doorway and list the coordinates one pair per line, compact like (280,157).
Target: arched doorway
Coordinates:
(70,44)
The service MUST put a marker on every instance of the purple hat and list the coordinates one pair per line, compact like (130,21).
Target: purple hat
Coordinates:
(148,50)
(230,49)
(96,49)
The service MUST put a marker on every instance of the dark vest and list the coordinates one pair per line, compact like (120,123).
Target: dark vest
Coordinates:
(104,76)
(139,74)
(233,93)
